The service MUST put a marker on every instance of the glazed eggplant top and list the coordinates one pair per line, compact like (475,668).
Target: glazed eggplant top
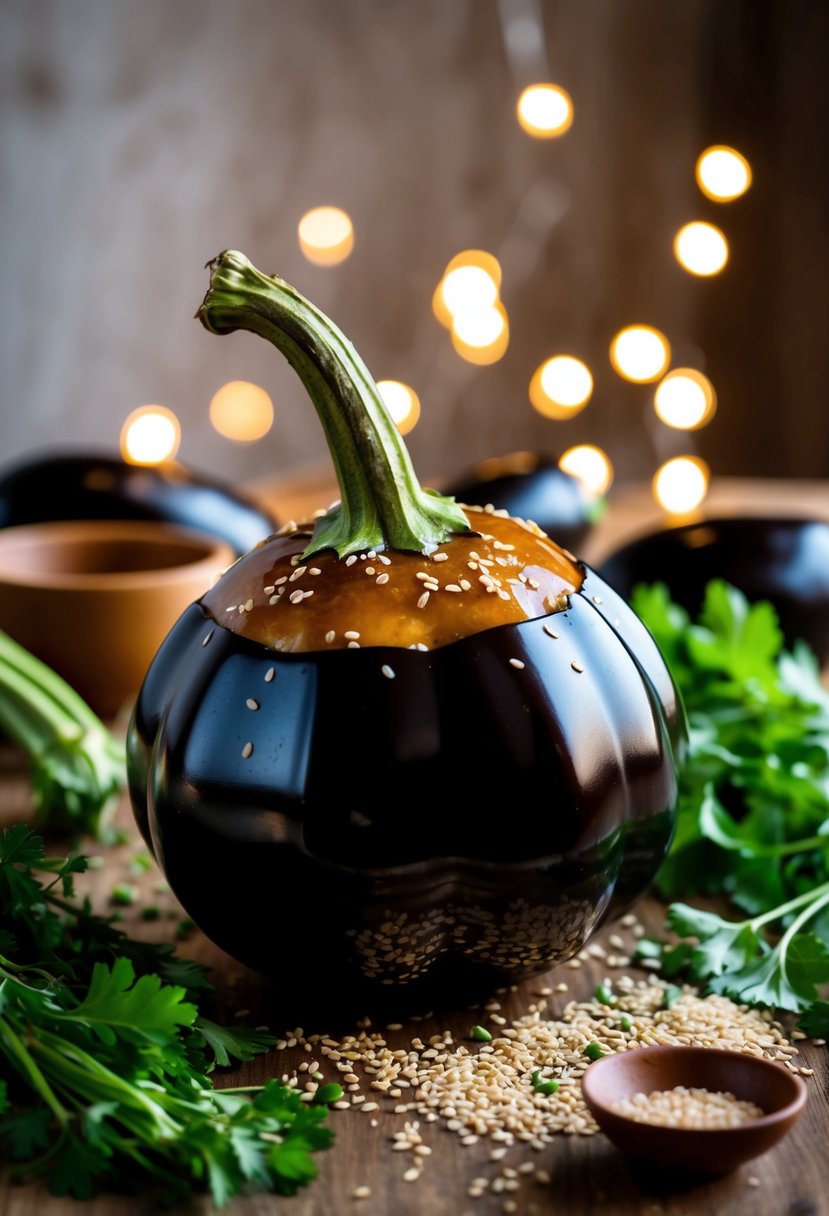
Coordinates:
(506,571)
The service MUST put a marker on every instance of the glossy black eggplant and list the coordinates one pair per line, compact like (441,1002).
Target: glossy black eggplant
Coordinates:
(500,815)
(531,485)
(408,750)
(65,485)
(783,560)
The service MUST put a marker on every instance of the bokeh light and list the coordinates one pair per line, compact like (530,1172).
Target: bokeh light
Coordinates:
(561,387)
(685,399)
(640,353)
(241,411)
(326,235)
(481,336)
(457,290)
(681,484)
(701,248)
(150,435)
(402,402)
(590,465)
(545,111)
(723,173)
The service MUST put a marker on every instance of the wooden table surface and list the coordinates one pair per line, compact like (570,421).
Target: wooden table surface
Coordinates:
(588,1176)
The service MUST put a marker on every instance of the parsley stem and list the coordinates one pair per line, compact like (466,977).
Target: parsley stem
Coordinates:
(17,1053)
(810,911)
(813,899)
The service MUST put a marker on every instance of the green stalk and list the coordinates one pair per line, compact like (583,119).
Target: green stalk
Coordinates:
(78,765)
(383,505)
(19,1056)
(812,899)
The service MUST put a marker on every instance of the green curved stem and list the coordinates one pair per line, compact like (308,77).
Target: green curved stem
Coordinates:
(382,502)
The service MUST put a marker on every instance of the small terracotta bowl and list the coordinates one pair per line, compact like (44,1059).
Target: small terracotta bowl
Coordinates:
(94,599)
(778,1092)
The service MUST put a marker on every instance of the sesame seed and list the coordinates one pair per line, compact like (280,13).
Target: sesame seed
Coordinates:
(381,557)
(307,594)
(421,574)
(269,675)
(314,570)
(251,704)
(381,579)
(452,587)
(516,663)
(465,585)
(329,637)
(361,1192)
(207,638)
(232,608)
(411,1175)
(295,559)
(353,646)
(370,570)
(597,599)
(423,600)
(440,557)
(298,573)
(577,666)
(280,581)
(387,671)
(270,589)
(296,596)
(550,632)
(247,751)
(351,634)
(351,559)
(273,599)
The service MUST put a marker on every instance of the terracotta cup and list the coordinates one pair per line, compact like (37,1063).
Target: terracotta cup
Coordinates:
(95,598)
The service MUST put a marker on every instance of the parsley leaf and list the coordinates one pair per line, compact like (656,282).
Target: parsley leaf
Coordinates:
(107,1060)
(753,817)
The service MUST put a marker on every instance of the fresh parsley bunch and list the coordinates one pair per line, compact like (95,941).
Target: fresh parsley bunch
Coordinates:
(754,803)
(107,1059)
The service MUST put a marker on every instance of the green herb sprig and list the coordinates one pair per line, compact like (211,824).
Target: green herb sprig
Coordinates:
(754,804)
(107,1057)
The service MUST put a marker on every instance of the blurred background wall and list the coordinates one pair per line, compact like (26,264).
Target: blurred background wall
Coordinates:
(137,140)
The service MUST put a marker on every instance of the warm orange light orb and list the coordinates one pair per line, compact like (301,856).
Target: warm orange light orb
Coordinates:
(701,248)
(481,336)
(685,399)
(545,111)
(561,387)
(723,173)
(640,353)
(680,485)
(326,235)
(471,280)
(402,402)
(150,435)
(590,465)
(241,411)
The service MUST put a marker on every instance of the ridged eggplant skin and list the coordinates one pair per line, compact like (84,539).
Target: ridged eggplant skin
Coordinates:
(462,824)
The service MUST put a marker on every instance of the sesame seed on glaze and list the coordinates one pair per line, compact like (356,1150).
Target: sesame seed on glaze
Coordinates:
(251,703)
(247,751)
(269,674)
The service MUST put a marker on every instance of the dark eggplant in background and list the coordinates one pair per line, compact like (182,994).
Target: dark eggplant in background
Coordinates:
(74,486)
(530,485)
(386,819)
(783,560)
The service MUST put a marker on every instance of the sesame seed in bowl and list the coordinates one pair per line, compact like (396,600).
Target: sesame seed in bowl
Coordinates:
(698,1109)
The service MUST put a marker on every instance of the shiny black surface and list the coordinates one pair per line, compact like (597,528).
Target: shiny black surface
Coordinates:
(67,486)
(440,832)
(783,560)
(542,492)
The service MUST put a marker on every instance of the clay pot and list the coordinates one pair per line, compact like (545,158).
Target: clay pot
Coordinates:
(95,599)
